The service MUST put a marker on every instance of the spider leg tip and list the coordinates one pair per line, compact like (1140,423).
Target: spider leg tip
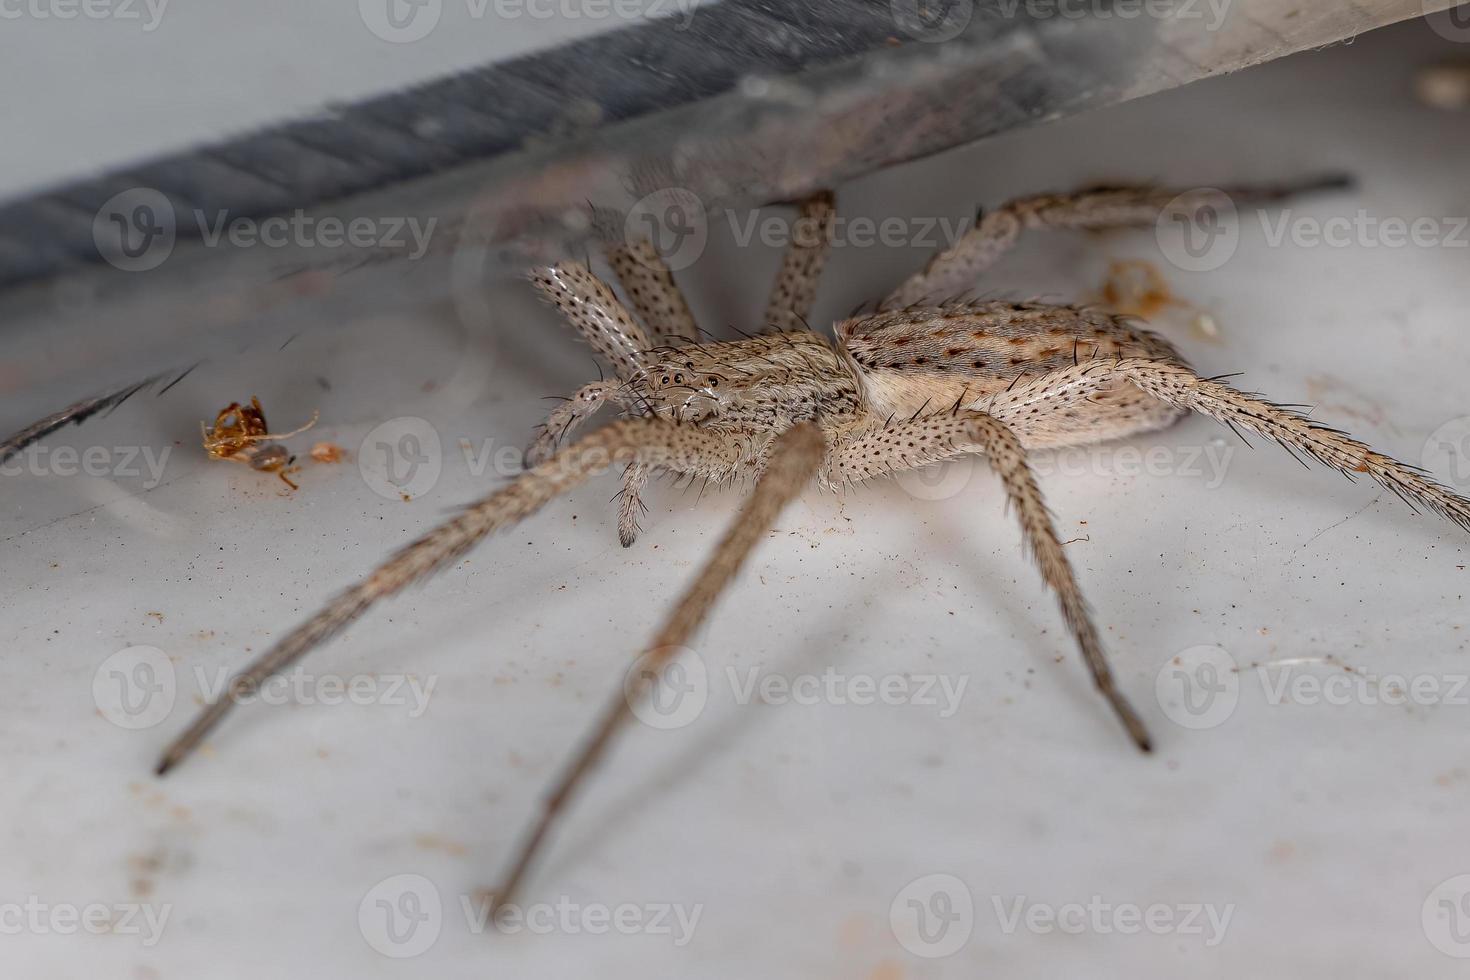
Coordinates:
(1138,733)
(490,901)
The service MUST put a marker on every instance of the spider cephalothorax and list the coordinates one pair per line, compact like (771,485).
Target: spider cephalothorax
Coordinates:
(775,380)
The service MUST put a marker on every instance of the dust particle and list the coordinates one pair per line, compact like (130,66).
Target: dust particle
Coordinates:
(328,452)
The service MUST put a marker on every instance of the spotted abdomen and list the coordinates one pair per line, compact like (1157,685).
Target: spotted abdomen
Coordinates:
(925,361)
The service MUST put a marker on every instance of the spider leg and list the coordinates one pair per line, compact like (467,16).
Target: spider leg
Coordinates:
(630,503)
(566,417)
(919,442)
(649,283)
(655,296)
(1180,386)
(801,267)
(74,414)
(565,420)
(658,441)
(955,270)
(794,457)
(1176,384)
(590,305)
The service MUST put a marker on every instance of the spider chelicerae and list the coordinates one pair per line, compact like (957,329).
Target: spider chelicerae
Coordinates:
(917,380)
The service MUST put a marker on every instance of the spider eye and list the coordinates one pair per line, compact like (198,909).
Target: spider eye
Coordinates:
(714,382)
(666,379)
(678,379)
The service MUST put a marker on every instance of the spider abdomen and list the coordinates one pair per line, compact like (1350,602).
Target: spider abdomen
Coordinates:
(928,360)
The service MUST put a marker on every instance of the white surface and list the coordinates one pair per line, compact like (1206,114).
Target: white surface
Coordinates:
(1324,828)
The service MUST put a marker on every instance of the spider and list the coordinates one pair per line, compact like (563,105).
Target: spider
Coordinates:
(915,380)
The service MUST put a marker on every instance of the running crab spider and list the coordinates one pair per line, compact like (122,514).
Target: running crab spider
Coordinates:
(913,382)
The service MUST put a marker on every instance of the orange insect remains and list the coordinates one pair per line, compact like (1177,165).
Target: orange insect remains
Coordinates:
(240,433)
